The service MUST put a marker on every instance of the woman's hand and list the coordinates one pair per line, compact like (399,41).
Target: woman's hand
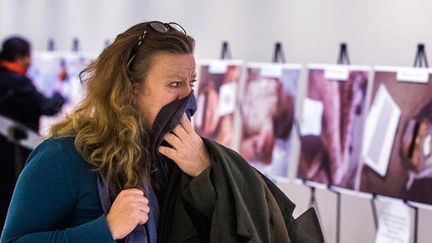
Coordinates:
(129,209)
(188,150)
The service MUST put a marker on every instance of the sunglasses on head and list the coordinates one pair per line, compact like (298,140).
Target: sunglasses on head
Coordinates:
(158,27)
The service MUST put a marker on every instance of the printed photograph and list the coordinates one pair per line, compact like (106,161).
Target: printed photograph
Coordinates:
(268,116)
(218,100)
(397,151)
(332,124)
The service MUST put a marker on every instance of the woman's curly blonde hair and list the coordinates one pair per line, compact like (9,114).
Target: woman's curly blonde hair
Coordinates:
(109,131)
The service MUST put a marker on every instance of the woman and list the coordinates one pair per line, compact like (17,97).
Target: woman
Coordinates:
(128,165)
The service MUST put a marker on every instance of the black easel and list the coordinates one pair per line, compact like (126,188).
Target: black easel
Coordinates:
(416,209)
(75,45)
(338,210)
(374,210)
(51,45)
(420,59)
(343,57)
(313,202)
(225,55)
(225,52)
(278,55)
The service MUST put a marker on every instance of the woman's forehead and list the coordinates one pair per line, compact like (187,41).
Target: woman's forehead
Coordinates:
(174,64)
(172,60)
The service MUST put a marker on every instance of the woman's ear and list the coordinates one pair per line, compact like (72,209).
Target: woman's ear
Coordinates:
(136,87)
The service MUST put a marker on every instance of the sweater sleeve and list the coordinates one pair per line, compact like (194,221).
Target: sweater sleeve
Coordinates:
(44,200)
(199,192)
(51,106)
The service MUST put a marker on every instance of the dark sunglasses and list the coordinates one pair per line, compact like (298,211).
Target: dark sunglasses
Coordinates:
(160,28)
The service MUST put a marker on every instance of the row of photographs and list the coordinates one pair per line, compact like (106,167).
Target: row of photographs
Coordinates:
(338,126)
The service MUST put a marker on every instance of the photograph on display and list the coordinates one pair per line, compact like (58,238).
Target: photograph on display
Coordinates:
(51,69)
(397,147)
(332,123)
(217,99)
(268,115)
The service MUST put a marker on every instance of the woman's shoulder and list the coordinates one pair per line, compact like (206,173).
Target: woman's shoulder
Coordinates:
(63,141)
(230,158)
(56,150)
(56,144)
(219,150)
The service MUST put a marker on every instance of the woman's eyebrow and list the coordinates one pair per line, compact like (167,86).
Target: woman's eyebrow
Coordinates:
(180,76)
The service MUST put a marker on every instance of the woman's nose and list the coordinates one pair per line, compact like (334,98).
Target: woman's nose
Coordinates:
(185,91)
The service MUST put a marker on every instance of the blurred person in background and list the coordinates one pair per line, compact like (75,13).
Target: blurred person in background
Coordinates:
(20,102)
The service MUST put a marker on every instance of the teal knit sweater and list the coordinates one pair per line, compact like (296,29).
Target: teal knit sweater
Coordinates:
(56,199)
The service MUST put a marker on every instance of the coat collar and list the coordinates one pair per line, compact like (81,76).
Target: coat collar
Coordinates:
(13,67)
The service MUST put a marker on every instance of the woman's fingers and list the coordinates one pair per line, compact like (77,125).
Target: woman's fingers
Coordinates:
(180,132)
(168,152)
(173,140)
(186,124)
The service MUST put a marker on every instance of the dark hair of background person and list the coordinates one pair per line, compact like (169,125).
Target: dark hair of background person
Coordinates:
(13,48)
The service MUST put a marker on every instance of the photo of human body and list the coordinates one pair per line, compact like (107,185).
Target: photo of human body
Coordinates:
(267,116)
(218,92)
(332,124)
(407,173)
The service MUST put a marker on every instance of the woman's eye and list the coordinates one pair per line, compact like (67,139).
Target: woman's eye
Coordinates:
(175,84)
(179,84)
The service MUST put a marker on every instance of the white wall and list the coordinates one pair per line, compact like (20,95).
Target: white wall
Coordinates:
(378,32)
